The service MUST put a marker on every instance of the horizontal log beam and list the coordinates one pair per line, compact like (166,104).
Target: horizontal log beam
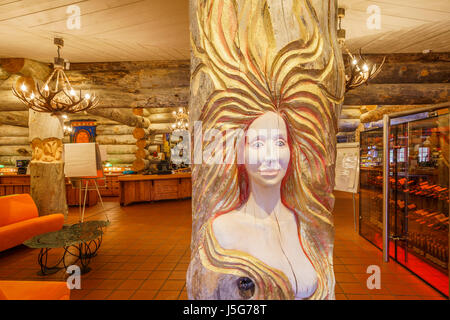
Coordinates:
(377,114)
(161,118)
(158,128)
(14,118)
(125,139)
(347,125)
(120,149)
(431,57)
(13,131)
(15,150)
(119,129)
(350,114)
(11,160)
(413,72)
(26,67)
(122,116)
(405,94)
(14,141)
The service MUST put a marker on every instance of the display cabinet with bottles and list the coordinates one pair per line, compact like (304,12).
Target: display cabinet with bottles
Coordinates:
(418,213)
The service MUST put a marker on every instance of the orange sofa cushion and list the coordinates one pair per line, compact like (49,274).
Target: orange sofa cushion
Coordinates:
(16,233)
(34,290)
(2,296)
(15,208)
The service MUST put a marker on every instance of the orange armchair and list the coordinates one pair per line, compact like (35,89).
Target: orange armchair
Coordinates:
(20,221)
(34,290)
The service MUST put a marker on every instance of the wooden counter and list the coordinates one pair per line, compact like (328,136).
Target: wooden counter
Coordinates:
(18,184)
(111,188)
(138,188)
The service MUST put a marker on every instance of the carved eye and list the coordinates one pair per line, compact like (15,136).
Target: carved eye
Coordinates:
(246,287)
(257,144)
(280,143)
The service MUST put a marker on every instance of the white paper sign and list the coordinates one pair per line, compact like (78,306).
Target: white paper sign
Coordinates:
(347,167)
(79,160)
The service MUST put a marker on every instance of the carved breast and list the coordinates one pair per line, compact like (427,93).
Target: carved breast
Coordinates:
(275,244)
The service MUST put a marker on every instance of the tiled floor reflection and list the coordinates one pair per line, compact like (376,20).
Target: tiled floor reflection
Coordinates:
(145,255)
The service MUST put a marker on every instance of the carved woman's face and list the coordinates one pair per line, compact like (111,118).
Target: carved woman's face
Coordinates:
(267,152)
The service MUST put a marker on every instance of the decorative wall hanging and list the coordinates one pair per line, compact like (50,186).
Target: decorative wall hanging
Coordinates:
(56,95)
(262,224)
(83,131)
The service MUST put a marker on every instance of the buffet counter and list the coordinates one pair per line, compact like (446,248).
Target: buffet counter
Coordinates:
(18,184)
(142,188)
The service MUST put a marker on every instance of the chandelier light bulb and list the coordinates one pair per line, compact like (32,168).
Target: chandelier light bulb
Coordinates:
(46,88)
(180,110)
(72,92)
(173,125)
(32,96)
(174,113)
(64,116)
(354,61)
(87,96)
(365,68)
(23,87)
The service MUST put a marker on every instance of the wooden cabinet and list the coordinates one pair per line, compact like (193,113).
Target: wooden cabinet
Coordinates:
(141,188)
(185,188)
(18,184)
(165,189)
(111,186)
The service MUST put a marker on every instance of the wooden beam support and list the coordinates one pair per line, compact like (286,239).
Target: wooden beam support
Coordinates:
(26,67)
(122,116)
(405,94)
(14,118)
(13,131)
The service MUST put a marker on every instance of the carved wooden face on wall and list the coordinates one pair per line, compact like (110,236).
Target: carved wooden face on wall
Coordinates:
(267,75)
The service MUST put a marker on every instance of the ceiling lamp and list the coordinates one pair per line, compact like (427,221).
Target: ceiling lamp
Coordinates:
(56,95)
(358,70)
(181,119)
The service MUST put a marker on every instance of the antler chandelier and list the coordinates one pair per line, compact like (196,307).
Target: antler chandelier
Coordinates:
(358,71)
(56,95)
(181,119)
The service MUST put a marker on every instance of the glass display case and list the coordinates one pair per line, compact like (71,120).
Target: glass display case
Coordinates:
(418,195)
(371,182)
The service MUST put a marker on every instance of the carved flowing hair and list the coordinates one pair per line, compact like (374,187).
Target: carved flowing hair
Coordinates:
(302,82)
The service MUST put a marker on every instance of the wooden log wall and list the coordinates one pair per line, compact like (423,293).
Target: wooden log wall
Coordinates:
(405,81)
(157,88)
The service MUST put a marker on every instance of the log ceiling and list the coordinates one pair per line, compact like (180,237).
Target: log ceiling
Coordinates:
(133,30)
(407,26)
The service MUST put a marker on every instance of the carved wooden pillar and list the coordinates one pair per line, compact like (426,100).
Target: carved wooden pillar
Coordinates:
(48,187)
(264,229)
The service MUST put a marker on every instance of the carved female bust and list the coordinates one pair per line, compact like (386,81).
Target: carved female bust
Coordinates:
(270,90)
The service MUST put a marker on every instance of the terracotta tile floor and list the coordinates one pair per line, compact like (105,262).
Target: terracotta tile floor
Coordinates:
(145,255)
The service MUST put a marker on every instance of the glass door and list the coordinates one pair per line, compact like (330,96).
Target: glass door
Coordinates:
(370,190)
(419,198)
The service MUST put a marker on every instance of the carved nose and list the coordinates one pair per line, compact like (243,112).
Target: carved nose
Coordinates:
(246,287)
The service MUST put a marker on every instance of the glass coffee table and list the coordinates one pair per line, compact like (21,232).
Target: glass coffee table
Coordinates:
(81,240)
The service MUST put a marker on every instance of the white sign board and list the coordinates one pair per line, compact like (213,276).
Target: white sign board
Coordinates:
(80,160)
(347,167)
